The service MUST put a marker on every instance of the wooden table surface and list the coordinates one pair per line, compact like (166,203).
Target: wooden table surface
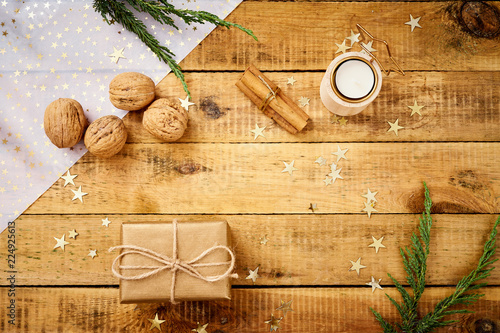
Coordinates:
(217,171)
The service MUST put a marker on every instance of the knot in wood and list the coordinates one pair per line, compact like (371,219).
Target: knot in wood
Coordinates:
(485,326)
(481,19)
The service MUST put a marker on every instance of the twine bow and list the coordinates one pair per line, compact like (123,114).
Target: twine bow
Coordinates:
(270,96)
(173,264)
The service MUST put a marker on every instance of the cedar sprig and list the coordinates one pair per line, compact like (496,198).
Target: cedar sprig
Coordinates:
(162,12)
(415,265)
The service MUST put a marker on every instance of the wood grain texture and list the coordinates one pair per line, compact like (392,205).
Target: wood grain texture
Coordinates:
(248,178)
(455,109)
(302,36)
(301,249)
(314,310)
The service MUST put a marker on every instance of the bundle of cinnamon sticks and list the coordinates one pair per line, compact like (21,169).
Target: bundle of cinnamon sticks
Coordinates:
(272,101)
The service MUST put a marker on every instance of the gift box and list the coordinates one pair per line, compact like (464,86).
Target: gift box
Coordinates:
(161,262)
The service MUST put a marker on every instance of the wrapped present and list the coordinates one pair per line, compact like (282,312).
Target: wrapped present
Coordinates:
(174,262)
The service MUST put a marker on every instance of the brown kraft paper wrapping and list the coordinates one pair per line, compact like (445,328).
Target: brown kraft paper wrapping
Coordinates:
(193,238)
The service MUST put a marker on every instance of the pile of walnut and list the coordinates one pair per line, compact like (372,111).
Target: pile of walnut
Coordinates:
(65,123)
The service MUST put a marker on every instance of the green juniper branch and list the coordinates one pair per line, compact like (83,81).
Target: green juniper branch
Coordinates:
(161,11)
(415,265)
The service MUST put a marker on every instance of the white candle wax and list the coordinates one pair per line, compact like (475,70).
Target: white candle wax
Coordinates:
(354,79)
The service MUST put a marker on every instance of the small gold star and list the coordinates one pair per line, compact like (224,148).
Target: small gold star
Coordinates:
(377,243)
(334,119)
(289,167)
(413,22)
(342,47)
(78,194)
(313,207)
(356,266)
(156,323)
(369,208)
(291,81)
(285,307)
(340,153)
(92,253)
(274,322)
(60,242)
(343,121)
(353,37)
(73,234)
(117,54)
(370,196)
(200,328)
(185,103)
(395,127)
(253,275)
(374,284)
(415,108)
(264,240)
(258,131)
(68,179)
(304,101)
(106,222)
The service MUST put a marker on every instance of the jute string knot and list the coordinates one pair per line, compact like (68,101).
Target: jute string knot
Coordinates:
(173,264)
(270,96)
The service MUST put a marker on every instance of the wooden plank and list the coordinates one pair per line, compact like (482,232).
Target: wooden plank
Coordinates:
(301,249)
(302,36)
(314,310)
(248,178)
(455,110)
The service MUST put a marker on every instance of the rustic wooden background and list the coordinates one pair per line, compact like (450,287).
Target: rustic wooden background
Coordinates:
(217,171)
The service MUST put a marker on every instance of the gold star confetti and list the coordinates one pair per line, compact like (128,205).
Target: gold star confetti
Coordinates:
(353,37)
(60,242)
(320,160)
(289,167)
(356,266)
(200,328)
(335,174)
(106,222)
(78,194)
(374,284)
(313,207)
(92,253)
(415,108)
(370,196)
(68,179)
(304,101)
(395,127)
(343,121)
(264,240)
(340,153)
(369,46)
(258,131)
(274,323)
(285,307)
(413,23)
(252,275)
(185,103)
(117,54)
(369,208)
(291,81)
(73,234)
(156,323)
(333,167)
(342,47)
(377,243)
(327,181)
(334,119)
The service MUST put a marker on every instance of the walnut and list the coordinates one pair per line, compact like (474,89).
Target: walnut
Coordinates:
(131,91)
(64,122)
(165,120)
(106,136)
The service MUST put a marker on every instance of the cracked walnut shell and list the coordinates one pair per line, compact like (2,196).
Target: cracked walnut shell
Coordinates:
(64,122)
(106,136)
(165,120)
(131,91)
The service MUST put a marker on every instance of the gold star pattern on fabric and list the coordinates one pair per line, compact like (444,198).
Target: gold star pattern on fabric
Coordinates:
(60,242)
(73,234)
(289,167)
(117,54)
(395,127)
(285,307)
(415,108)
(320,160)
(356,266)
(340,153)
(155,323)
(369,208)
(258,131)
(343,121)
(92,253)
(370,196)
(252,275)
(68,179)
(274,323)
(342,47)
(353,37)
(106,222)
(377,243)
(374,284)
(78,194)
(413,22)
(291,81)
(185,103)
(200,328)
(304,101)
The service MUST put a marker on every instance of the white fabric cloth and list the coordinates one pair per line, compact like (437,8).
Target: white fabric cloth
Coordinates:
(55,49)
